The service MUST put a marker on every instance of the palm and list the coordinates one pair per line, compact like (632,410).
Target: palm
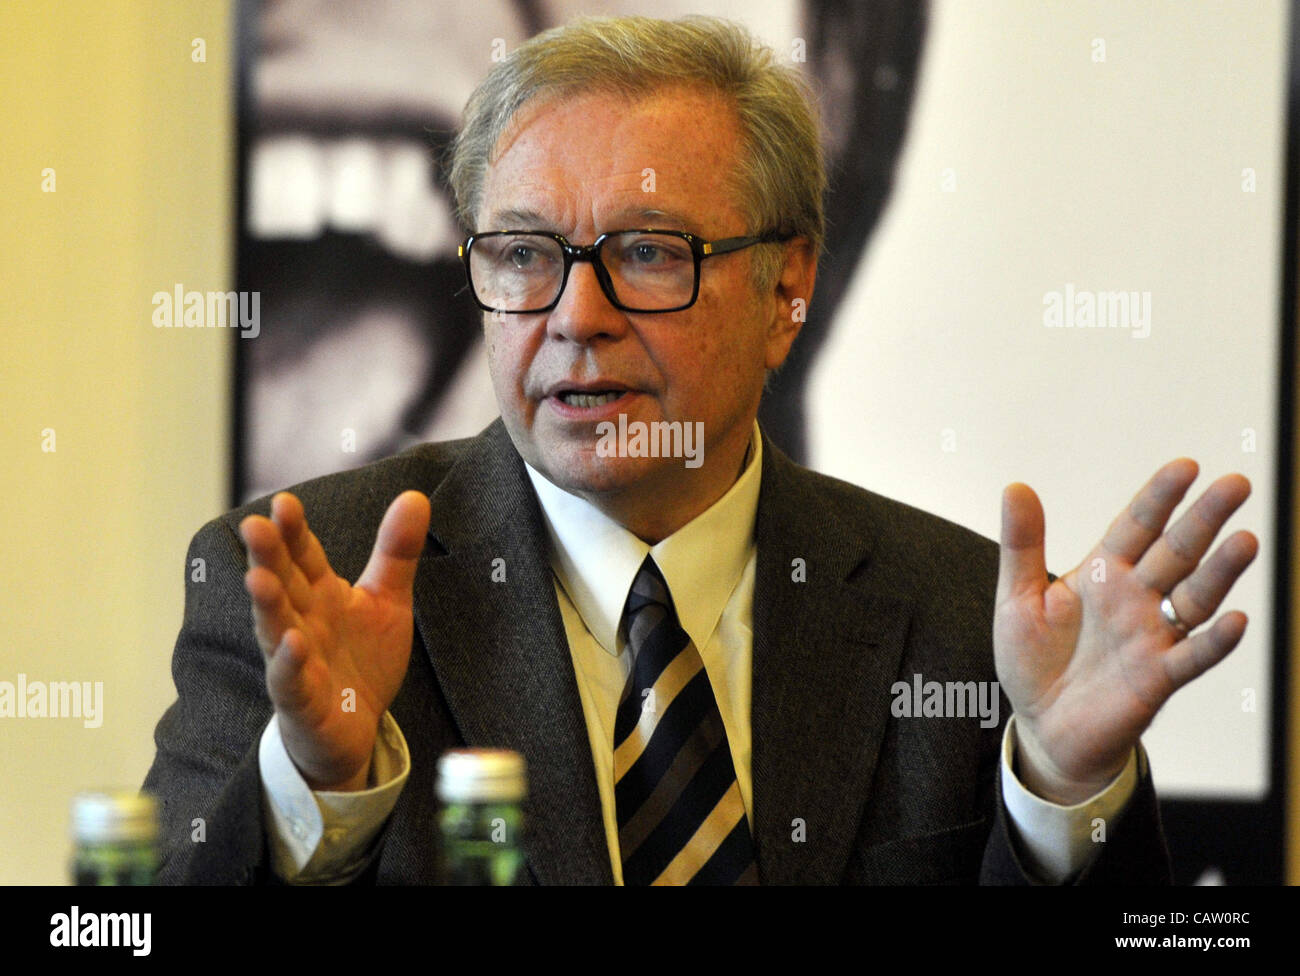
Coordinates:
(337,653)
(358,645)
(1053,665)
(1089,659)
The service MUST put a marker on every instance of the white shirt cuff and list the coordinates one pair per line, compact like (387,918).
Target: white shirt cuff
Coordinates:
(326,837)
(1059,841)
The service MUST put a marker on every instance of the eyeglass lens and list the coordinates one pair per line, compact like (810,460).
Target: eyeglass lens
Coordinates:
(523,272)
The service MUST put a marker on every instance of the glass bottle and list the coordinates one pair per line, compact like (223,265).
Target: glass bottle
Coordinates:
(480,825)
(115,836)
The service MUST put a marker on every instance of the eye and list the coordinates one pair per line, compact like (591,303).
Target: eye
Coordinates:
(647,253)
(521,255)
(652,252)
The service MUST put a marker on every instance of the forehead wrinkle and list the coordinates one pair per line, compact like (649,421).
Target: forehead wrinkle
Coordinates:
(627,215)
(596,173)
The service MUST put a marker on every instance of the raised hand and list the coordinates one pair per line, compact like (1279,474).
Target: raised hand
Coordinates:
(1089,659)
(329,644)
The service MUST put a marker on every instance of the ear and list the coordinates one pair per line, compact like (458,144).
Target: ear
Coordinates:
(791,296)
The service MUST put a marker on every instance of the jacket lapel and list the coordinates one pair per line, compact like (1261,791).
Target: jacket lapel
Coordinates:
(826,651)
(500,653)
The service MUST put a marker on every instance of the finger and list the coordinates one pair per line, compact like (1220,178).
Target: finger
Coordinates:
(273,614)
(1139,525)
(1177,552)
(288,679)
(1198,653)
(304,548)
(266,548)
(398,545)
(1022,563)
(1197,598)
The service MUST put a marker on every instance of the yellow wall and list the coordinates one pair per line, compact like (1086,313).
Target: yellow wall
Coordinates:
(93,535)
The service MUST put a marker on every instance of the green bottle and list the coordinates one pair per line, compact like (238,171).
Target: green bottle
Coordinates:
(116,838)
(482,791)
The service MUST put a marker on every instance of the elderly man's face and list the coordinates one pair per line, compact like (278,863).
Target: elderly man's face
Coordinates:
(587,165)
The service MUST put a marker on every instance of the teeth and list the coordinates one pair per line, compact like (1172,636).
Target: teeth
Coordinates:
(590,399)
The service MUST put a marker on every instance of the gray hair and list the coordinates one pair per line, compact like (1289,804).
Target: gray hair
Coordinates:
(781,179)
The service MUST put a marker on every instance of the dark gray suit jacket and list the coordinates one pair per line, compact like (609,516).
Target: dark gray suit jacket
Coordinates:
(890,592)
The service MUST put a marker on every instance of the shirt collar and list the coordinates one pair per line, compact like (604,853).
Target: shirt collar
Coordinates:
(596,559)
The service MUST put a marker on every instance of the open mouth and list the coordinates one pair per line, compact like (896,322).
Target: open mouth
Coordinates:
(597,399)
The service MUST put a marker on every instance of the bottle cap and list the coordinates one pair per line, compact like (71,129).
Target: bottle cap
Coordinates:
(109,817)
(481,776)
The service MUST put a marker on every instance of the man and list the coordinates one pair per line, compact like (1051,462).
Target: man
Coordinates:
(697,654)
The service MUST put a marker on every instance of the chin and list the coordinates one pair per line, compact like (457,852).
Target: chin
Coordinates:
(581,470)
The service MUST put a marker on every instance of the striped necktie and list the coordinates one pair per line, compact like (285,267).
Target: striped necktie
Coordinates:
(681,819)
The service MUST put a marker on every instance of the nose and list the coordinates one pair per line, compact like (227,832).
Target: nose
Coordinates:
(584,311)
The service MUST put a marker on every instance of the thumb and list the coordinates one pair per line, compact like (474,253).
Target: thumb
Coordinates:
(1022,562)
(398,545)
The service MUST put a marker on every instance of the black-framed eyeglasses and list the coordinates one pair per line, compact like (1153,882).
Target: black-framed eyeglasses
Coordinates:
(525,271)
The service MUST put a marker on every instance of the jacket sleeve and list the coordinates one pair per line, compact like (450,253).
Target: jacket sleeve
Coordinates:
(205,772)
(1134,852)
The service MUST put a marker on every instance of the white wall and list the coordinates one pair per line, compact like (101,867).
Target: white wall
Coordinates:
(941,384)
